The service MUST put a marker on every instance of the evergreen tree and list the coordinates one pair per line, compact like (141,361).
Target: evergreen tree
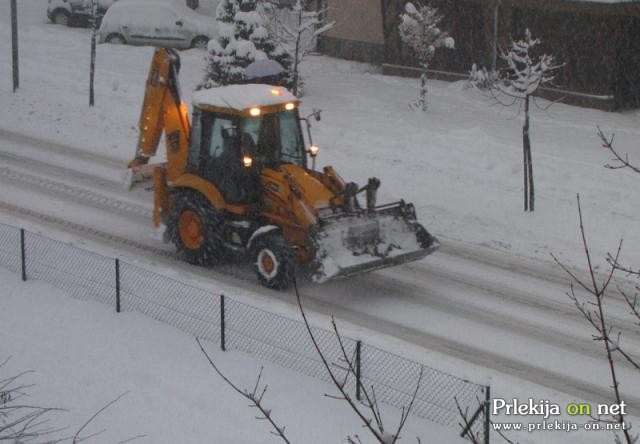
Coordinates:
(242,39)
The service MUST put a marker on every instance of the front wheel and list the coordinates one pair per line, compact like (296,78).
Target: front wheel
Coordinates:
(195,227)
(274,261)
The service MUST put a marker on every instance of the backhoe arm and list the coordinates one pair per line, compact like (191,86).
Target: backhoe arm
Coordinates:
(163,109)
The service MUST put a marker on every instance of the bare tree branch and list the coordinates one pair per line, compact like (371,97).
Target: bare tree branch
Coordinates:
(370,402)
(632,303)
(254,396)
(620,161)
(597,319)
(22,422)
(77,438)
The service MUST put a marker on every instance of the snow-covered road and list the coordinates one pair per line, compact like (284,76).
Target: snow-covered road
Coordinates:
(502,315)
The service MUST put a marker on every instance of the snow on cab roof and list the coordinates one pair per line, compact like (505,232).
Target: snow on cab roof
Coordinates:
(243,97)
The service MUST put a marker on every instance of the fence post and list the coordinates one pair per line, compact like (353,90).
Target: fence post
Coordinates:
(14,44)
(358,368)
(23,256)
(223,345)
(117,285)
(487,411)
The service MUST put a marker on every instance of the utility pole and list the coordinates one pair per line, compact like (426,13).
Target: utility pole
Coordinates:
(92,67)
(14,44)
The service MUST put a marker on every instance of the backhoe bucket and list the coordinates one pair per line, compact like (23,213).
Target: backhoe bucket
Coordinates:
(350,244)
(140,175)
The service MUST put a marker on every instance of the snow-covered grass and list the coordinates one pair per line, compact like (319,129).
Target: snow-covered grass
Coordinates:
(83,355)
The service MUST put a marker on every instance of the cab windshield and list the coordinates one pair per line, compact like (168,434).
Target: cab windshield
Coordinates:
(274,139)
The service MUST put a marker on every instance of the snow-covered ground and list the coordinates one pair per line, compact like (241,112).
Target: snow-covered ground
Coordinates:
(460,163)
(83,355)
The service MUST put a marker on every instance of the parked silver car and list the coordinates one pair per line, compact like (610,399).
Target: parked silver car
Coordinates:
(75,12)
(163,23)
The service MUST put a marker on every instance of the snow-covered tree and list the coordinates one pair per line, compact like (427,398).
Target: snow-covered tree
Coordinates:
(242,39)
(524,73)
(419,29)
(296,32)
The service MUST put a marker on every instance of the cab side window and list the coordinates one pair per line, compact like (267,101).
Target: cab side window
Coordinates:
(217,142)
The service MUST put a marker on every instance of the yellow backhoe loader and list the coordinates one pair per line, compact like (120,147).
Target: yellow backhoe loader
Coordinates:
(236,182)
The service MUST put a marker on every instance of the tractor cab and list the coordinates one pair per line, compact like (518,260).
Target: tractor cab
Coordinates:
(239,130)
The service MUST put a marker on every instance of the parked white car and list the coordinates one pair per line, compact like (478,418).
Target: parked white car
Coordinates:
(163,23)
(74,12)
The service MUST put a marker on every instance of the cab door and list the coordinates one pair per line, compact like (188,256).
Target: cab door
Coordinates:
(220,161)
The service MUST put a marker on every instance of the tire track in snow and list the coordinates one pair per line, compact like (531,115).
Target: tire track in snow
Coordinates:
(75,228)
(74,193)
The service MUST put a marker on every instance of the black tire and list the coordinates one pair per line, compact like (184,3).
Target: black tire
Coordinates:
(200,42)
(115,39)
(60,17)
(272,247)
(193,213)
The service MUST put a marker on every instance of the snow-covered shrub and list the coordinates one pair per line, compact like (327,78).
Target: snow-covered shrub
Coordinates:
(479,78)
(419,29)
(242,39)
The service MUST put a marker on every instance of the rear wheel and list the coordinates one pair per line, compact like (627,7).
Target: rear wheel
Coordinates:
(195,227)
(115,39)
(60,17)
(274,261)
(200,42)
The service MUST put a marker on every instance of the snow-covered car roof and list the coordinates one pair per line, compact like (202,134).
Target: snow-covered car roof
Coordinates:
(242,98)
(204,24)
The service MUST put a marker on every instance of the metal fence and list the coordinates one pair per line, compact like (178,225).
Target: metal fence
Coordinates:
(237,326)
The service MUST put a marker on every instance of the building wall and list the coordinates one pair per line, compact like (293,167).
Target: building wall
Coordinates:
(598,42)
(359,20)
(357,34)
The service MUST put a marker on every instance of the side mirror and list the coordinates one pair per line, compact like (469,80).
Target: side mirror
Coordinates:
(179,23)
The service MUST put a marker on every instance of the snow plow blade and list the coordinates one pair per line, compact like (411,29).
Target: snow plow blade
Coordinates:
(351,244)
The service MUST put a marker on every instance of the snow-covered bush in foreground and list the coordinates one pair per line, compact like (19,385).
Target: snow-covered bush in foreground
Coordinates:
(420,31)
(242,39)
